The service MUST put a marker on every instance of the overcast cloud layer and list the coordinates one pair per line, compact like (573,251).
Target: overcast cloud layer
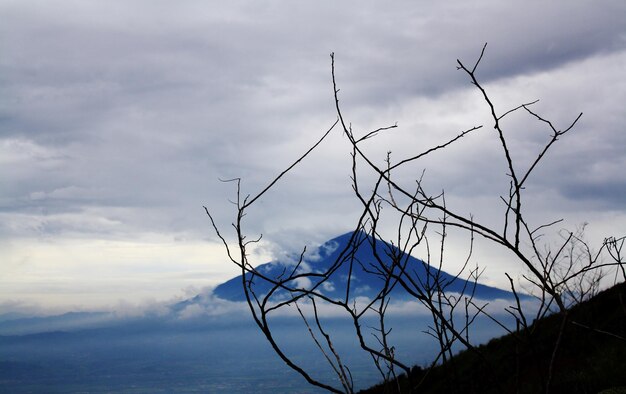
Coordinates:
(118,118)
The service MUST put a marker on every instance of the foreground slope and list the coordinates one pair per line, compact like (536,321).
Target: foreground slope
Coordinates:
(592,357)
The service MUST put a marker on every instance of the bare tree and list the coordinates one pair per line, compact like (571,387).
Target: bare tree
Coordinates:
(558,275)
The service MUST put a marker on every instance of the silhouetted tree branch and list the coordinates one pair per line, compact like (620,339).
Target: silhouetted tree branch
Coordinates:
(558,275)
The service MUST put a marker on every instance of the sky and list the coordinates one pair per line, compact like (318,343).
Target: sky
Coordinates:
(119,118)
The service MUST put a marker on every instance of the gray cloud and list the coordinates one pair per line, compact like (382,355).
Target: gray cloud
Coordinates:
(118,119)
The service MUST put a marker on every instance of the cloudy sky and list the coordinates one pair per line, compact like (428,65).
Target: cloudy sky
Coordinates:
(118,118)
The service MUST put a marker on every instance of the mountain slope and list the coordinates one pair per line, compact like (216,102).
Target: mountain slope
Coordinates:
(364,282)
(591,358)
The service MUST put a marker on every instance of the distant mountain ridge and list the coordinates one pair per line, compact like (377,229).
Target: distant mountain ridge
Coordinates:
(364,281)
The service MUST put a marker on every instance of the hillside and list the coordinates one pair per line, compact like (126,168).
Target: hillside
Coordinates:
(590,359)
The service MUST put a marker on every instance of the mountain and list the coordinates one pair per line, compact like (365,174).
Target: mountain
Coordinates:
(208,344)
(360,249)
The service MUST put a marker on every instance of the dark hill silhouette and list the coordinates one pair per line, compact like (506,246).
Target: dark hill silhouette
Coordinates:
(591,358)
(364,282)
